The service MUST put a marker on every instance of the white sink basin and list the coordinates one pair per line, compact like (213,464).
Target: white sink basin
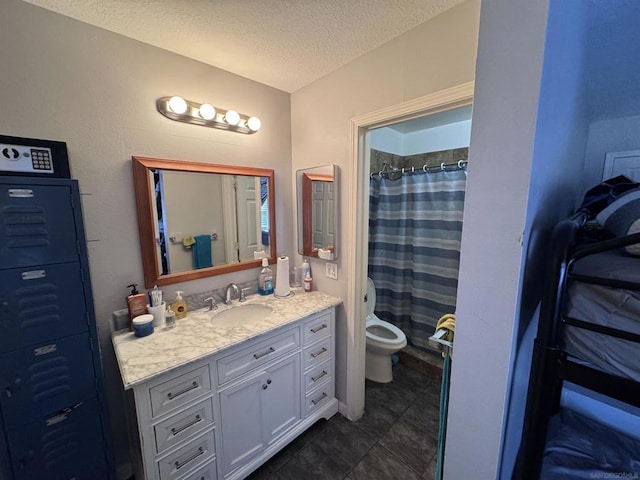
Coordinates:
(241,314)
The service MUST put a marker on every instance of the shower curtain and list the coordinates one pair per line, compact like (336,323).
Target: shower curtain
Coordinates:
(415,224)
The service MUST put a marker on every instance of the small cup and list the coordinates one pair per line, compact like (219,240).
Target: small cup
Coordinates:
(143,325)
(158,314)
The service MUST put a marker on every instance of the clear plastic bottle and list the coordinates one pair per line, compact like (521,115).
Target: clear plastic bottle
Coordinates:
(265,279)
(305,269)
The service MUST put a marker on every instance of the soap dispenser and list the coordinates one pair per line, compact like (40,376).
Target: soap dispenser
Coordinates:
(179,306)
(136,303)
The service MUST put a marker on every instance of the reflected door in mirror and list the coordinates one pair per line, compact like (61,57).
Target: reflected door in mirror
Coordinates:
(197,220)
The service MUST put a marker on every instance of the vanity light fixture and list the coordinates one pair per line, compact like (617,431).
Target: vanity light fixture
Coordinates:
(181,110)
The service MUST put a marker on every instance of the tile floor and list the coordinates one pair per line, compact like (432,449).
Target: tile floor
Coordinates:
(395,439)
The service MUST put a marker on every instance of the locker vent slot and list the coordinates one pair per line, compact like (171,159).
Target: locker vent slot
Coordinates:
(61,443)
(25,226)
(49,378)
(38,306)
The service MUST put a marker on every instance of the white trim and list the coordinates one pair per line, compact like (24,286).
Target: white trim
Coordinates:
(358,206)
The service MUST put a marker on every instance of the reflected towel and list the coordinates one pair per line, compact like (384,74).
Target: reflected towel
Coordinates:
(201,251)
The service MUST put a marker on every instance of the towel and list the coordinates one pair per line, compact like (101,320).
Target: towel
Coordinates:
(201,251)
(447,322)
(188,241)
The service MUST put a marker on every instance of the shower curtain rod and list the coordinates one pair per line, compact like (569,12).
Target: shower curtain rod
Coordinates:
(460,164)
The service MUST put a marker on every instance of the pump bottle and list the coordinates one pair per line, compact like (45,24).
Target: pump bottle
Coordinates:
(136,303)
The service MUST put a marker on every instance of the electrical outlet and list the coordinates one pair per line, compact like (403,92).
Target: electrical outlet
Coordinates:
(332,270)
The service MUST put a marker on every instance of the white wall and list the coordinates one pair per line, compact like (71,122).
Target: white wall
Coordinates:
(502,139)
(436,55)
(435,139)
(65,80)
(555,187)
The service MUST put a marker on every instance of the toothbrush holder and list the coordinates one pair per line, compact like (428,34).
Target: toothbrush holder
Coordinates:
(158,314)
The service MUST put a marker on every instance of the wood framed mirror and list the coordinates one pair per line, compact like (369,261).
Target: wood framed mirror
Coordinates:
(197,220)
(317,211)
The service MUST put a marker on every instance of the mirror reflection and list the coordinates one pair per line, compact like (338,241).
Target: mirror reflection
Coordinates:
(317,211)
(198,220)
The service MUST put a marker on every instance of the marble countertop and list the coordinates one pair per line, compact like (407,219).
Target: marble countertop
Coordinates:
(197,336)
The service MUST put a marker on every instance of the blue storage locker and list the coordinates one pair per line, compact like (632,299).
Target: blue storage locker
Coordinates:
(65,445)
(42,303)
(53,422)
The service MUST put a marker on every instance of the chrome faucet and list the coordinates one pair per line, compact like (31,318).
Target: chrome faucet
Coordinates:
(232,291)
(213,305)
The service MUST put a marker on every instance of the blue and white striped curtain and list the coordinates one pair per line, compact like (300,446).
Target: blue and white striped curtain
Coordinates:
(415,224)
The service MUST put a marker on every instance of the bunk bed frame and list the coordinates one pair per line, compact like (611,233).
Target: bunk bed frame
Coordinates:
(551,366)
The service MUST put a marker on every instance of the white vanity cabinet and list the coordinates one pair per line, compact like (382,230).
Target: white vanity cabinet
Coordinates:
(222,416)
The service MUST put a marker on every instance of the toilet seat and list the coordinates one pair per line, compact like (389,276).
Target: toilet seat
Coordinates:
(398,335)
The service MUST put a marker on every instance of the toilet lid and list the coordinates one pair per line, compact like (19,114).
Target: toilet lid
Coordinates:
(371,297)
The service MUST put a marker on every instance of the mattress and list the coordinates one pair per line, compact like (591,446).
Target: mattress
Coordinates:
(609,307)
(579,448)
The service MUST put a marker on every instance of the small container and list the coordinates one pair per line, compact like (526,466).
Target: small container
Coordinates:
(143,325)
(169,318)
(158,314)
(308,283)
(294,277)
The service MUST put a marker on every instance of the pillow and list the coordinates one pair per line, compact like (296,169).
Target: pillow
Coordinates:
(622,217)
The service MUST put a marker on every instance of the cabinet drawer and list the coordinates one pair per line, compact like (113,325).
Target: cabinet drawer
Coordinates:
(208,472)
(317,328)
(179,390)
(183,460)
(317,353)
(317,376)
(319,398)
(183,425)
(236,364)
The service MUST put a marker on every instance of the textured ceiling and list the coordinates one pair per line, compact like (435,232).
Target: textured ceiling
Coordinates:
(286,44)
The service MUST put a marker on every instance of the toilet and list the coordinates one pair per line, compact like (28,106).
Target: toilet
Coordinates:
(383,340)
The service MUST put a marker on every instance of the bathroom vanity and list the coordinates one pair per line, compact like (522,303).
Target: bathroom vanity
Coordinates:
(224,390)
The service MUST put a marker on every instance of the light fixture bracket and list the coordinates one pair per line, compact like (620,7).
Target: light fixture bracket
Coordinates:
(192,115)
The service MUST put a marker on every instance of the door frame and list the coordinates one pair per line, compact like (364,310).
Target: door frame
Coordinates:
(358,222)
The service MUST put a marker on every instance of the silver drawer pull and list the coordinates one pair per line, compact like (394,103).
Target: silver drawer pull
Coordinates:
(20,193)
(315,379)
(266,352)
(193,386)
(176,431)
(179,465)
(322,397)
(317,329)
(318,353)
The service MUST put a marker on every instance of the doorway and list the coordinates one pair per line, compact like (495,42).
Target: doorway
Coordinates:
(459,96)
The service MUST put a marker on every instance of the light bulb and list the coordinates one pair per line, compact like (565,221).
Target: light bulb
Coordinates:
(254,124)
(177,105)
(232,117)
(207,111)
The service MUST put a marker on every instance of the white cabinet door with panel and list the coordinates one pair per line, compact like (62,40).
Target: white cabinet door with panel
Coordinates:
(258,409)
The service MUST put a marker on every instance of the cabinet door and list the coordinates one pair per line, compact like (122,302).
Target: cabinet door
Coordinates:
(40,304)
(241,422)
(281,397)
(45,378)
(37,225)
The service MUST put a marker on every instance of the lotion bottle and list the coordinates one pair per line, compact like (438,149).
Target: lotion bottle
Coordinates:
(179,306)
(265,279)
(308,283)
(136,303)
